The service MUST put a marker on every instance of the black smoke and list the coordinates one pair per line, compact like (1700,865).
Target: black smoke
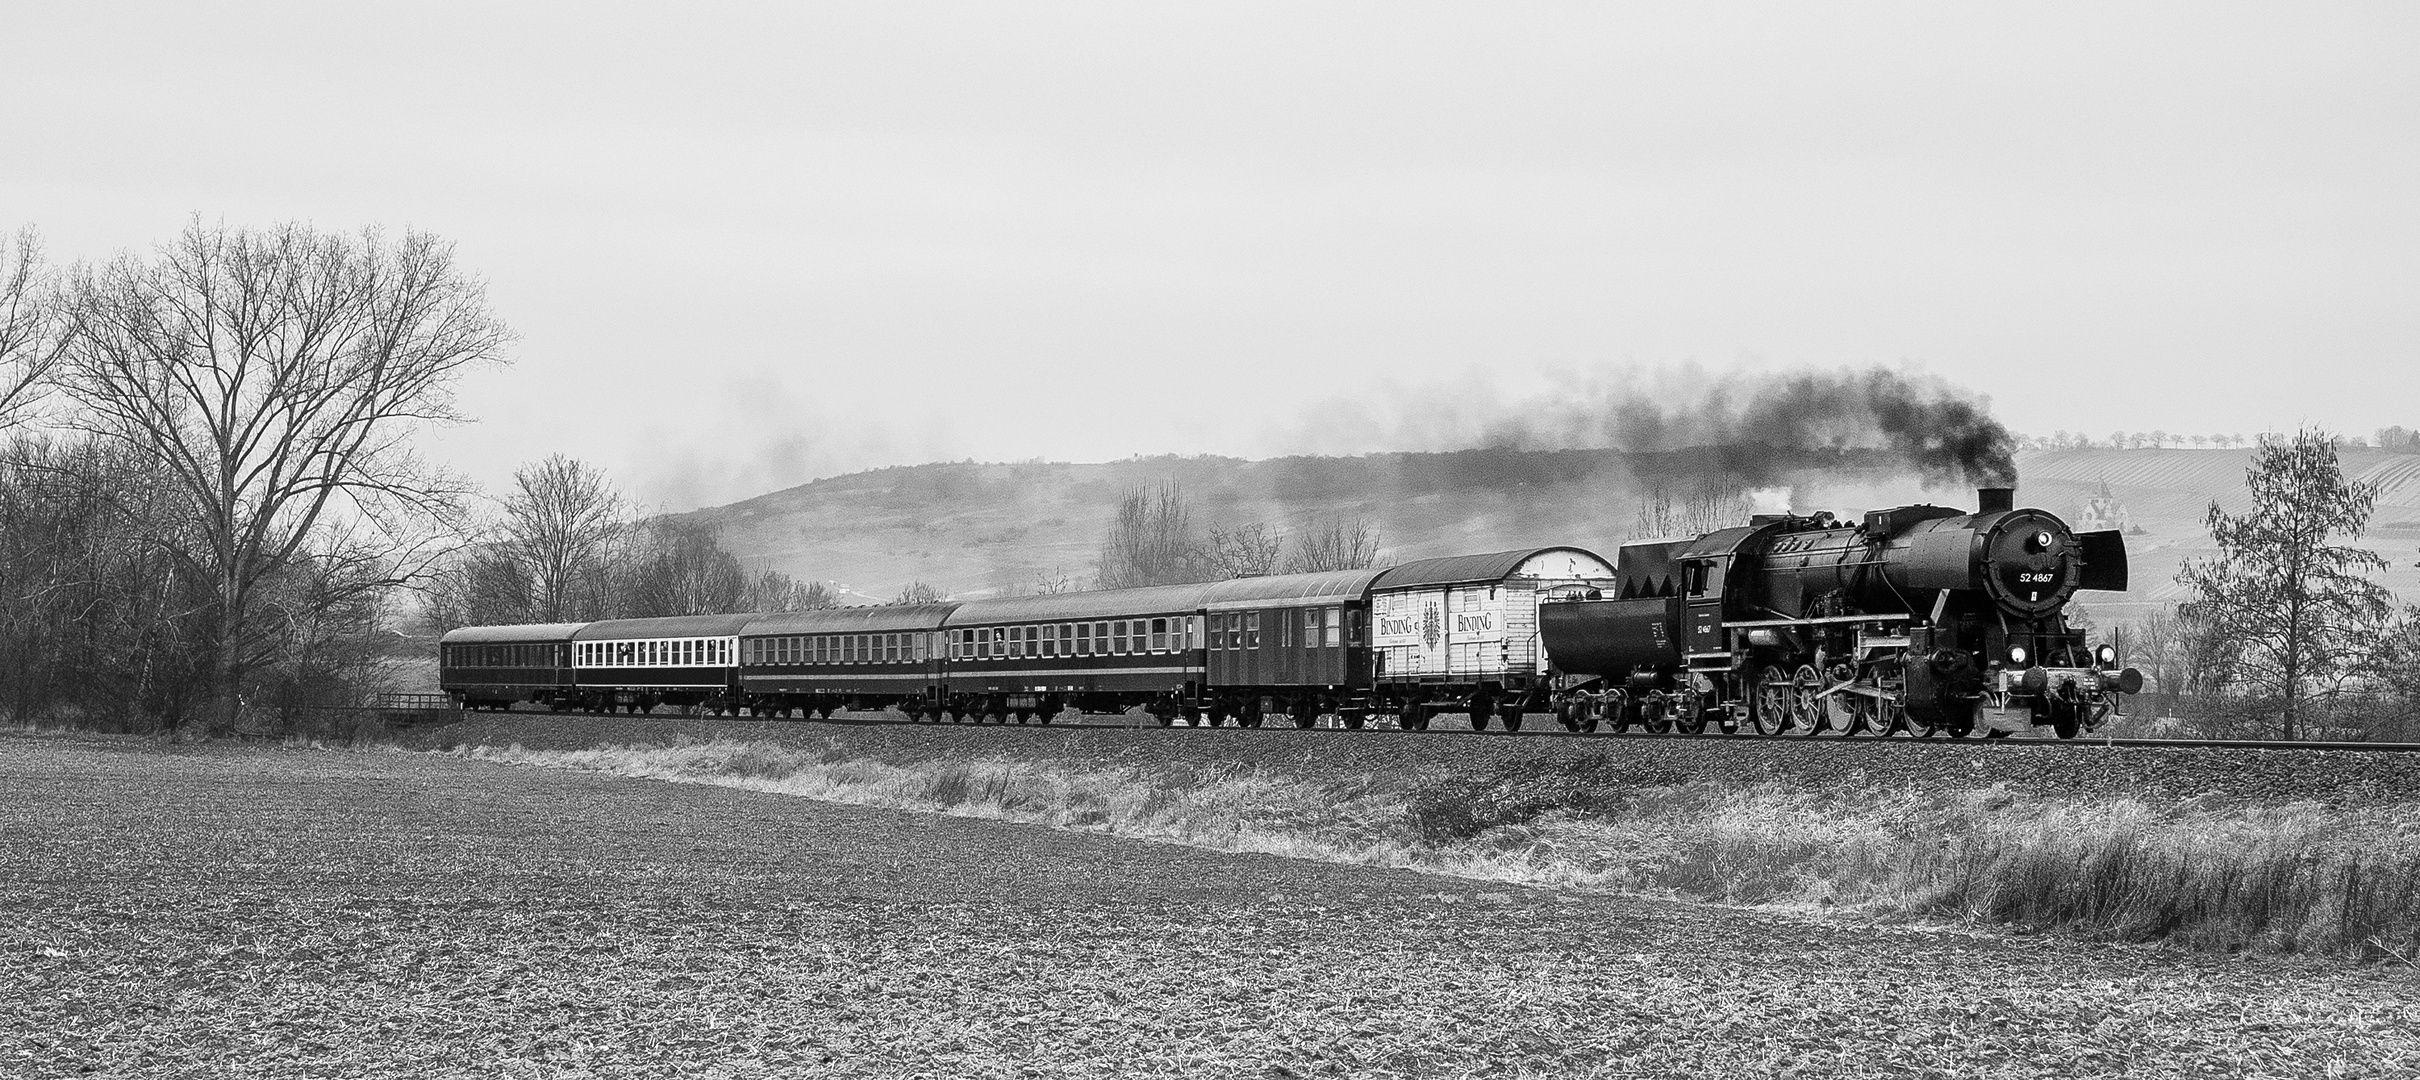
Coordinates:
(1762,426)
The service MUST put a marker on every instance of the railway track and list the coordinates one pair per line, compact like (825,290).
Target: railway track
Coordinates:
(1552,732)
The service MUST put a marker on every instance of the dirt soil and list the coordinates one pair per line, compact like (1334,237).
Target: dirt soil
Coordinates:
(222,912)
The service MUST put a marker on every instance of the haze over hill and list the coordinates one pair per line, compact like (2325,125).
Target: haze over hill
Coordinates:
(976,529)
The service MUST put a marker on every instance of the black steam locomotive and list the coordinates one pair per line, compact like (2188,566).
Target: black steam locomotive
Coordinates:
(1918,618)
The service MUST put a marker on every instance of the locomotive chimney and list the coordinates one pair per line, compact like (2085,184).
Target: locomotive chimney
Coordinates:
(1994,500)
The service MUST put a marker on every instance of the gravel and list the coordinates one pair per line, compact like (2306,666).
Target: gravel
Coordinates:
(2207,776)
(235,912)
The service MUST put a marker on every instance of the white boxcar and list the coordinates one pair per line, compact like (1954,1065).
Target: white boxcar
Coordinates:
(1469,622)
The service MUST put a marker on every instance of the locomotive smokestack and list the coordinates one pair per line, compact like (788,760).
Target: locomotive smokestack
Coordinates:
(1994,500)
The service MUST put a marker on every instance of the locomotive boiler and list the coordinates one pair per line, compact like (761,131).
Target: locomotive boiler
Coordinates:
(1923,617)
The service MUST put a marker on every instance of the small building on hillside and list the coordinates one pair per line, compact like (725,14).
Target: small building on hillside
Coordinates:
(2103,511)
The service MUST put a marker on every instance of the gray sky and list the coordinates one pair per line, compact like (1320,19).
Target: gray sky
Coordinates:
(748,245)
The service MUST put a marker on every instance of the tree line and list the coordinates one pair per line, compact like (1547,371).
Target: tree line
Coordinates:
(211,511)
(567,547)
(1152,539)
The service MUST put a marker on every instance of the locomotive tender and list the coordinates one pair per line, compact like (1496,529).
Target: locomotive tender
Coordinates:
(1919,618)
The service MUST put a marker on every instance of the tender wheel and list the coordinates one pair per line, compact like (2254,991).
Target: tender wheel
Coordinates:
(1655,712)
(1769,707)
(1807,709)
(1614,707)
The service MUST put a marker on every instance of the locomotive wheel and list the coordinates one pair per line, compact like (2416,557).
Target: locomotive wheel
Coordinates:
(1963,726)
(1769,709)
(1807,710)
(2066,719)
(1864,716)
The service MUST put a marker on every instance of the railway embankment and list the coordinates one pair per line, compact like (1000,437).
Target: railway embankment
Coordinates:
(2209,849)
(2201,776)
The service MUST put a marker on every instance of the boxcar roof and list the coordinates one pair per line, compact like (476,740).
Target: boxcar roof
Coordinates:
(1290,590)
(523,632)
(1103,604)
(1492,567)
(852,620)
(668,627)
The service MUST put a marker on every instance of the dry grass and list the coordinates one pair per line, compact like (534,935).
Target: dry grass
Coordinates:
(2272,879)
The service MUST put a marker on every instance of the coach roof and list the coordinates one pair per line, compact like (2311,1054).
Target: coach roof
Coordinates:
(1290,590)
(1470,569)
(864,618)
(1069,606)
(504,635)
(675,626)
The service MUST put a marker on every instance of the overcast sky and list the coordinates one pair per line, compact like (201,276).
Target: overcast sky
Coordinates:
(749,245)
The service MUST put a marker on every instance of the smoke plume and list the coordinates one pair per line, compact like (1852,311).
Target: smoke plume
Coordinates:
(1759,426)
(1762,426)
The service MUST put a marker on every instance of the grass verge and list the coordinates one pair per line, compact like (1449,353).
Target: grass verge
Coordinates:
(2281,879)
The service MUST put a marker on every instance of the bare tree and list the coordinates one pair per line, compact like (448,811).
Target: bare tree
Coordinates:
(1052,582)
(1707,503)
(26,346)
(682,569)
(1151,542)
(562,522)
(274,378)
(918,592)
(1336,544)
(1243,551)
(772,590)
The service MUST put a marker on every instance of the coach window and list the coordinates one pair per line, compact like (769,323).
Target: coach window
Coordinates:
(1252,630)
(891,648)
(1117,636)
(1335,626)
(1083,639)
(1049,643)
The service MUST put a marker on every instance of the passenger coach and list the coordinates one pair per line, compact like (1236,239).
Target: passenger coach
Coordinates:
(816,663)
(688,661)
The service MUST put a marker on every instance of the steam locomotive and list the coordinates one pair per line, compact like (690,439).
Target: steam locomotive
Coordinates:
(1919,618)
(1916,618)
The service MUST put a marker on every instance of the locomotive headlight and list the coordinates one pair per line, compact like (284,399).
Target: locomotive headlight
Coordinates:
(2106,654)
(2041,540)
(2016,655)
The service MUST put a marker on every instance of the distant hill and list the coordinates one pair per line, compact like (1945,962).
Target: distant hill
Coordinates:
(976,529)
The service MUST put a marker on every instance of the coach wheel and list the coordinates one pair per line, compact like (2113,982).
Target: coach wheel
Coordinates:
(1806,708)
(1306,716)
(1166,717)
(1511,715)
(1769,707)
(1480,707)
(1351,718)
